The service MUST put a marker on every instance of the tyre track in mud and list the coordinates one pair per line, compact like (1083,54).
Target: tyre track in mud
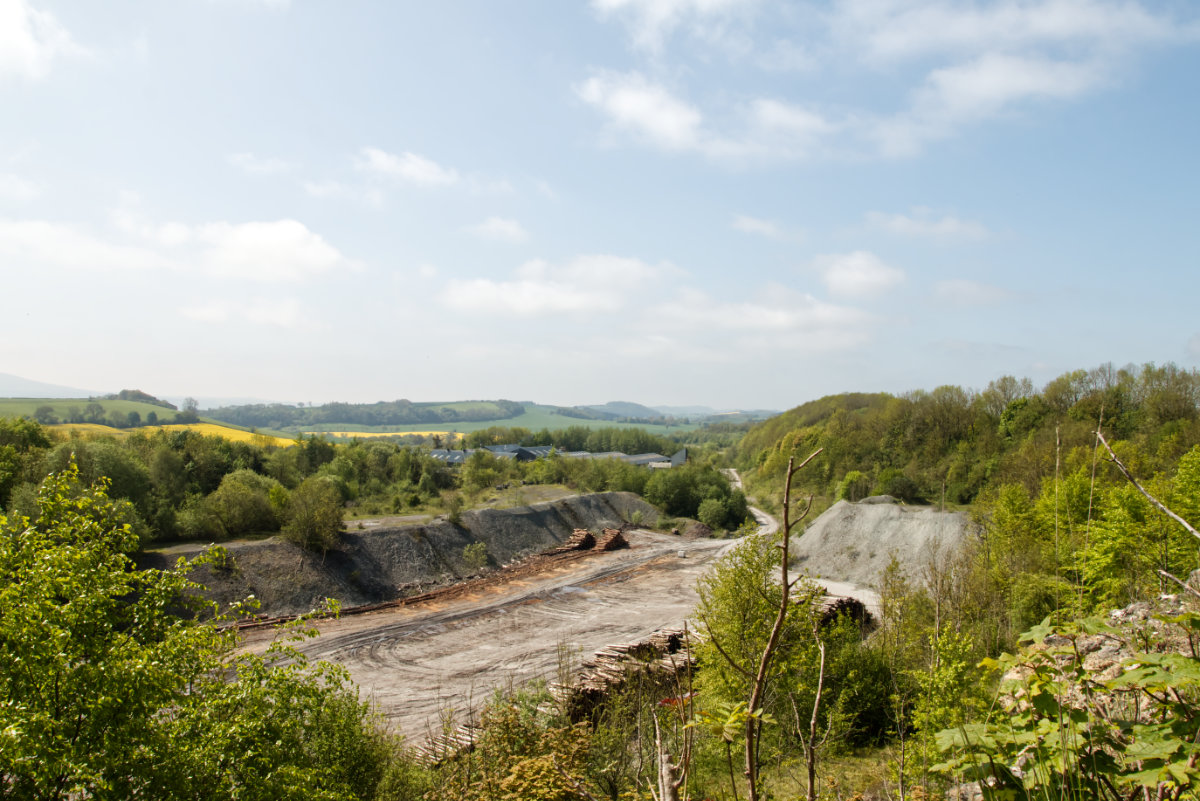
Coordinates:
(417,662)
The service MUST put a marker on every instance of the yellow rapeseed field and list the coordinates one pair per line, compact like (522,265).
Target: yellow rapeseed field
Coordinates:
(377,433)
(208,429)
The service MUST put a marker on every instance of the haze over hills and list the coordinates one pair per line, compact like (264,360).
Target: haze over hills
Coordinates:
(14,386)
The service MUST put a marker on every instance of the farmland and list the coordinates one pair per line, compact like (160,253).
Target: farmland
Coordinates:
(207,429)
(66,408)
(535,418)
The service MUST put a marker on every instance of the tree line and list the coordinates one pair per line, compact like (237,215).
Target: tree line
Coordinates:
(383,413)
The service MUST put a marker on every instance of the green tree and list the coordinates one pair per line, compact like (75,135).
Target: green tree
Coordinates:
(314,514)
(712,512)
(108,695)
(21,444)
(242,505)
(475,555)
(854,486)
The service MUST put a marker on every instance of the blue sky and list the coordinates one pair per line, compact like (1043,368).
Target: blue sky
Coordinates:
(738,203)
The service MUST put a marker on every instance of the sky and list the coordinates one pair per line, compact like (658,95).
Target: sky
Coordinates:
(736,203)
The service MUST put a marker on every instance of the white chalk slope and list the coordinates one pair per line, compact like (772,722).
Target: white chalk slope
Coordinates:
(853,542)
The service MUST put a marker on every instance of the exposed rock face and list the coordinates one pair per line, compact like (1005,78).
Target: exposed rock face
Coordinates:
(387,563)
(853,542)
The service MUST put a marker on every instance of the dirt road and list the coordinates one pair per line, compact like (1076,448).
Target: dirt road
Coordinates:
(416,662)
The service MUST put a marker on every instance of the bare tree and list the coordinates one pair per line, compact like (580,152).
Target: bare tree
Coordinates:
(758,688)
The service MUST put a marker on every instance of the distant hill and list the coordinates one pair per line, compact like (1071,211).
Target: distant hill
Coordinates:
(685,411)
(615,410)
(737,416)
(14,386)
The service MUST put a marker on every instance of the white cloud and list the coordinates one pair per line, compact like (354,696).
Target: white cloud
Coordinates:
(645,109)
(650,21)
(984,86)
(31,244)
(753,225)
(15,188)
(31,40)
(889,31)
(964,63)
(281,312)
(922,223)
(780,318)
(857,274)
(336,190)
(284,250)
(587,284)
(259,165)
(500,229)
(407,167)
(276,251)
(961,292)
(801,129)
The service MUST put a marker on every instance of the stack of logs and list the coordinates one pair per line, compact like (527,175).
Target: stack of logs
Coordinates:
(830,607)
(611,540)
(663,658)
(583,540)
(449,744)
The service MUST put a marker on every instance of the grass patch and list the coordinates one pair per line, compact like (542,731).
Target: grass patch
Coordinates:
(863,773)
(62,407)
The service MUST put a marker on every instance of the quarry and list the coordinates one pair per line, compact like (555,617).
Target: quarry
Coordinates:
(427,637)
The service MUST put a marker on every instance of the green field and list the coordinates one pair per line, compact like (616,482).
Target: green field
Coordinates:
(62,407)
(65,408)
(535,419)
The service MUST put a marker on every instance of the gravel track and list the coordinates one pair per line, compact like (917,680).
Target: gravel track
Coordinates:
(420,661)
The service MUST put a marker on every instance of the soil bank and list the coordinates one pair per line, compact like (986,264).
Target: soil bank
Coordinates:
(383,564)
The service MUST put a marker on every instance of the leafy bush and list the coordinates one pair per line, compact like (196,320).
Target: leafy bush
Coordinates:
(475,555)
(314,515)
(109,695)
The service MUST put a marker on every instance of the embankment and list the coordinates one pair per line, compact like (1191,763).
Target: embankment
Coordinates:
(854,542)
(384,564)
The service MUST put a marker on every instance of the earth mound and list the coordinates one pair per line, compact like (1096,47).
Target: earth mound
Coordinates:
(385,564)
(854,542)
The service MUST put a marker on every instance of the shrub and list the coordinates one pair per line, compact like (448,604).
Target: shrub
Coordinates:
(314,515)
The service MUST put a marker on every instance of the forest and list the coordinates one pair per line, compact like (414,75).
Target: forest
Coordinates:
(982,665)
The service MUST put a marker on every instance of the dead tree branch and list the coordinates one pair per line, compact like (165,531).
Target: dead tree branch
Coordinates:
(1157,503)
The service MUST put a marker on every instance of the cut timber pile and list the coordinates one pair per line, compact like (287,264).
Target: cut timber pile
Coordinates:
(448,744)
(829,607)
(611,540)
(663,658)
(581,540)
